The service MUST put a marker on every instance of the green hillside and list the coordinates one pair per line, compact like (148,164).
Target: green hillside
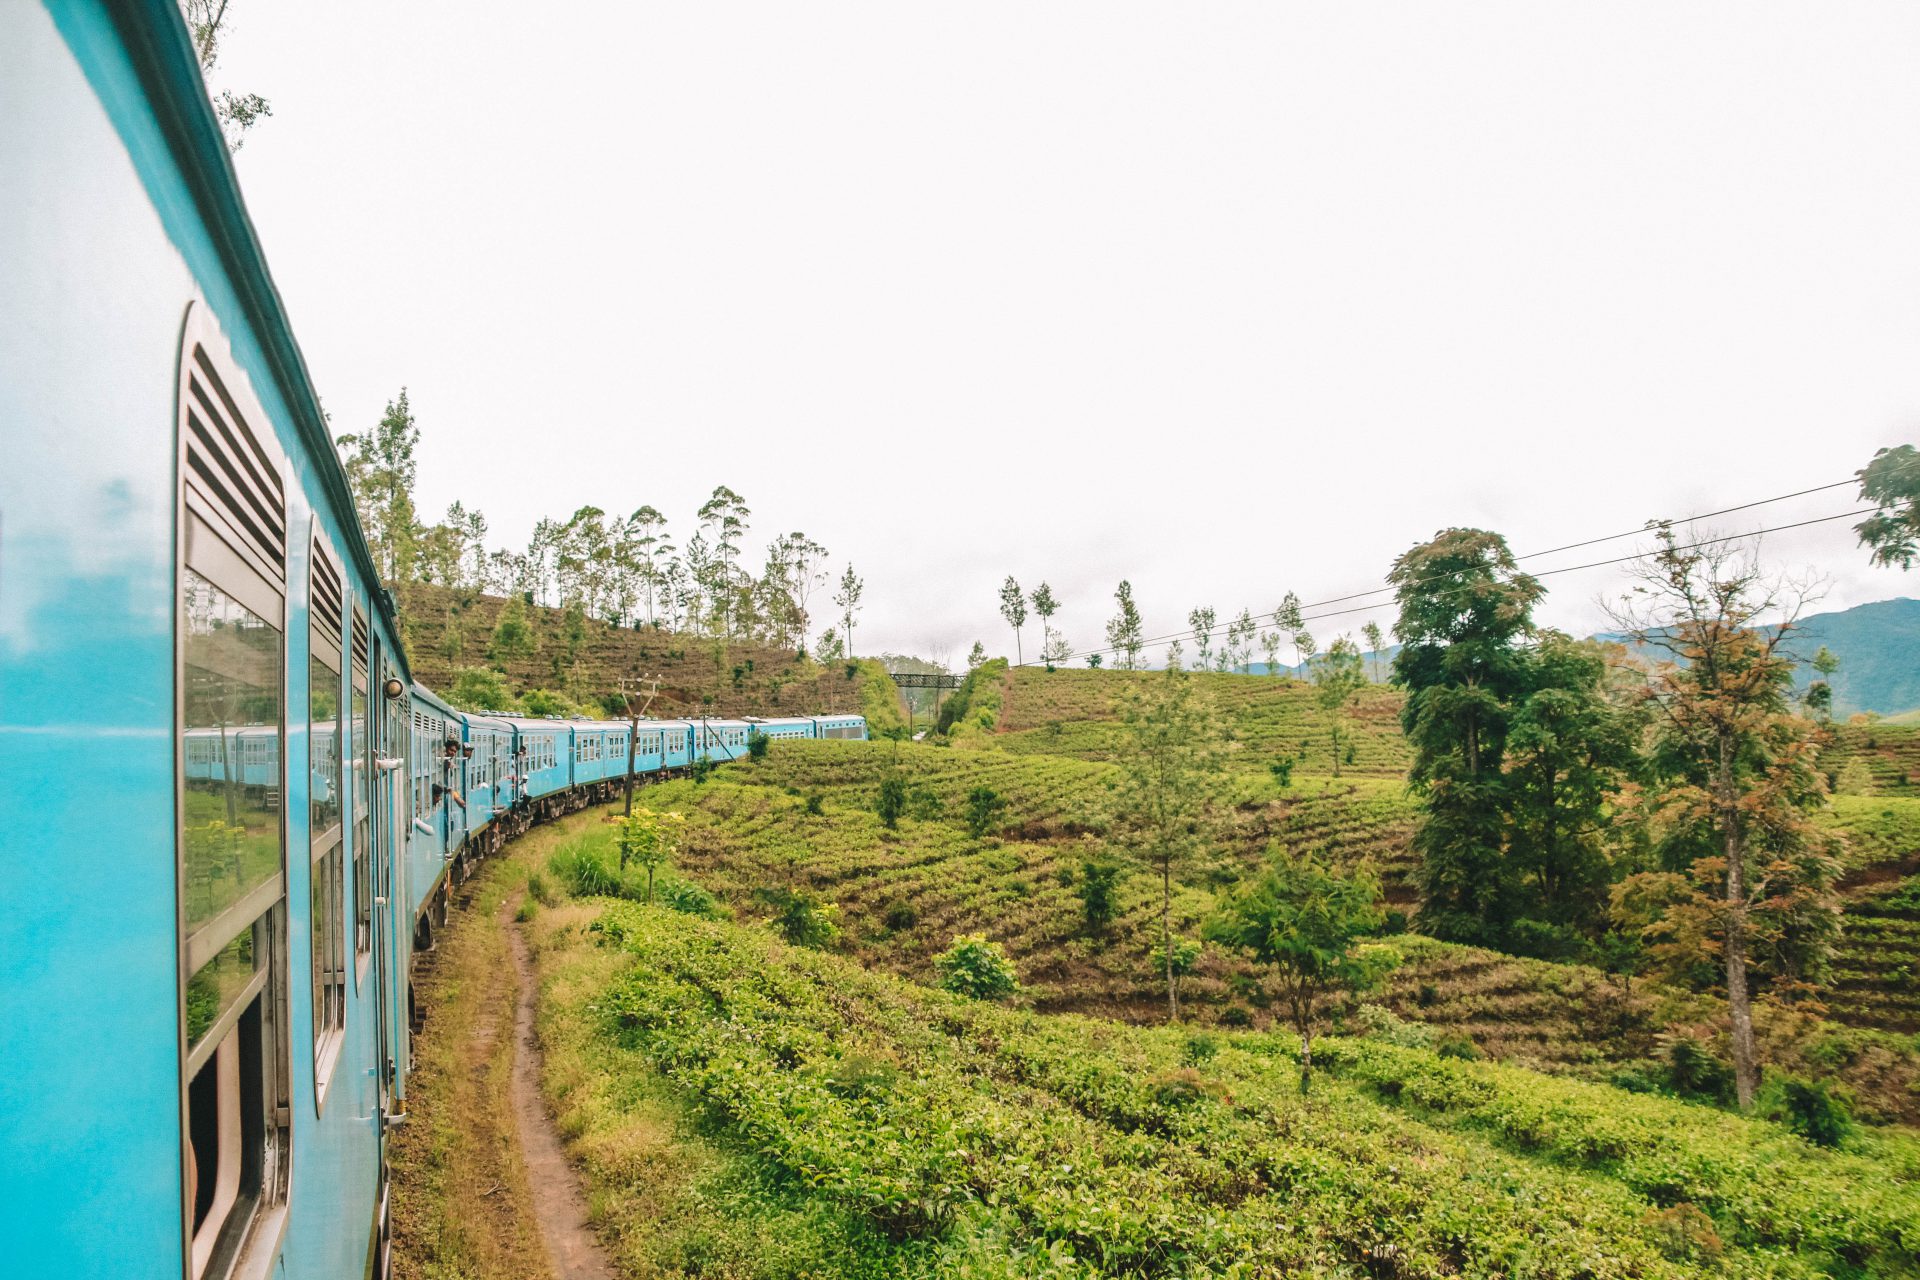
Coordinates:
(875,1127)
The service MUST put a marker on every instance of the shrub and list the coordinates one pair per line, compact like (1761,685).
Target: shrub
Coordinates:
(1427,996)
(925,805)
(801,918)
(690,899)
(1182,1088)
(892,800)
(983,806)
(1098,882)
(1693,1071)
(757,743)
(861,1076)
(1377,1020)
(1186,954)
(1456,1044)
(701,768)
(1282,770)
(1200,1047)
(901,915)
(583,872)
(1809,1108)
(537,889)
(1237,1015)
(816,804)
(975,967)
(1685,1234)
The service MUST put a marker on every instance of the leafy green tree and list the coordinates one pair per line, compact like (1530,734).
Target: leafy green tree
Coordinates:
(1892,482)
(1568,748)
(1337,681)
(1270,646)
(513,639)
(976,655)
(1288,619)
(1093,662)
(723,524)
(1737,786)
(1201,621)
(478,689)
(1171,787)
(1240,637)
(977,968)
(381,470)
(649,839)
(801,917)
(1045,605)
(984,805)
(1305,923)
(236,112)
(1013,607)
(1376,641)
(1465,610)
(830,649)
(1124,634)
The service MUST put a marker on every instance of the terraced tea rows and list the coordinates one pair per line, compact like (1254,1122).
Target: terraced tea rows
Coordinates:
(1073,713)
(973,1140)
(1891,753)
(1876,976)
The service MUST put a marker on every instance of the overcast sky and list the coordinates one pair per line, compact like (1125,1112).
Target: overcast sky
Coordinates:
(1227,299)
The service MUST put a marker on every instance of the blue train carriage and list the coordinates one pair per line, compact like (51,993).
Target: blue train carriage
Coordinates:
(676,745)
(599,756)
(436,783)
(491,783)
(719,741)
(543,759)
(841,726)
(201,1074)
(787,727)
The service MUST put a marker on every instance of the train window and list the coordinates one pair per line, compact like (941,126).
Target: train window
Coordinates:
(231,839)
(328,921)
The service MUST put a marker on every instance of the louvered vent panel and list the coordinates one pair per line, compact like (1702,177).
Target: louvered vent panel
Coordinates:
(227,469)
(359,642)
(327,603)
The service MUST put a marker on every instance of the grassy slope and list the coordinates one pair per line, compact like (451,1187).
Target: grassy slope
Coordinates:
(917,1134)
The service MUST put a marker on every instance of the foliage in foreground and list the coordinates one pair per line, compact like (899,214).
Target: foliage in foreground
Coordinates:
(969,1139)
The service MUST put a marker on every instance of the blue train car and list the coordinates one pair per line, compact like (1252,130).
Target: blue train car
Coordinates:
(435,773)
(206,1046)
(840,726)
(719,741)
(599,751)
(676,750)
(490,781)
(649,748)
(543,757)
(787,727)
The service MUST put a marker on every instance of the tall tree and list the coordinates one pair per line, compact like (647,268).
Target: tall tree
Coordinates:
(1892,482)
(381,468)
(1270,646)
(1287,618)
(1013,607)
(1304,921)
(1735,767)
(848,598)
(723,519)
(1465,609)
(1240,637)
(647,533)
(976,656)
(1201,621)
(1044,607)
(1171,792)
(1337,679)
(1376,641)
(1124,634)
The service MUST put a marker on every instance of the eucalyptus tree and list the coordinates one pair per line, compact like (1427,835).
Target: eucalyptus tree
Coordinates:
(651,549)
(1337,678)
(1045,605)
(723,520)
(848,598)
(1240,638)
(1270,646)
(1013,607)
(1124,634)
(1376,641)
(1201,621)
(381,471)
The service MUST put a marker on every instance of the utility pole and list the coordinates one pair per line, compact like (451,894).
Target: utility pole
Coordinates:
(630,690)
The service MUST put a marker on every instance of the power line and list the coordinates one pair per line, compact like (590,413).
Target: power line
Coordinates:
(1193,633)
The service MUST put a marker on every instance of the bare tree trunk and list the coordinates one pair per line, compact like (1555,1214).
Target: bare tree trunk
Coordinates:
(1166,936)
(1746,1070)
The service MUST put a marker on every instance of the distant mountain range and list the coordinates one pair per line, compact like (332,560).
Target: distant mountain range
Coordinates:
(1878,646)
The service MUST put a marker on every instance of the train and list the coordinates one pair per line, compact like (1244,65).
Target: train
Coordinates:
(232,817)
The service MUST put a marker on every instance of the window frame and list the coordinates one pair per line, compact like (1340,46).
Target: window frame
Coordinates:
(326,850)
(248,1243)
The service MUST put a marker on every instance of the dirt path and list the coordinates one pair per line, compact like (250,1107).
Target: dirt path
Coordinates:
(559,1205)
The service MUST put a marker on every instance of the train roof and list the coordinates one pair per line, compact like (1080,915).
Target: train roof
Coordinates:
(161,51)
